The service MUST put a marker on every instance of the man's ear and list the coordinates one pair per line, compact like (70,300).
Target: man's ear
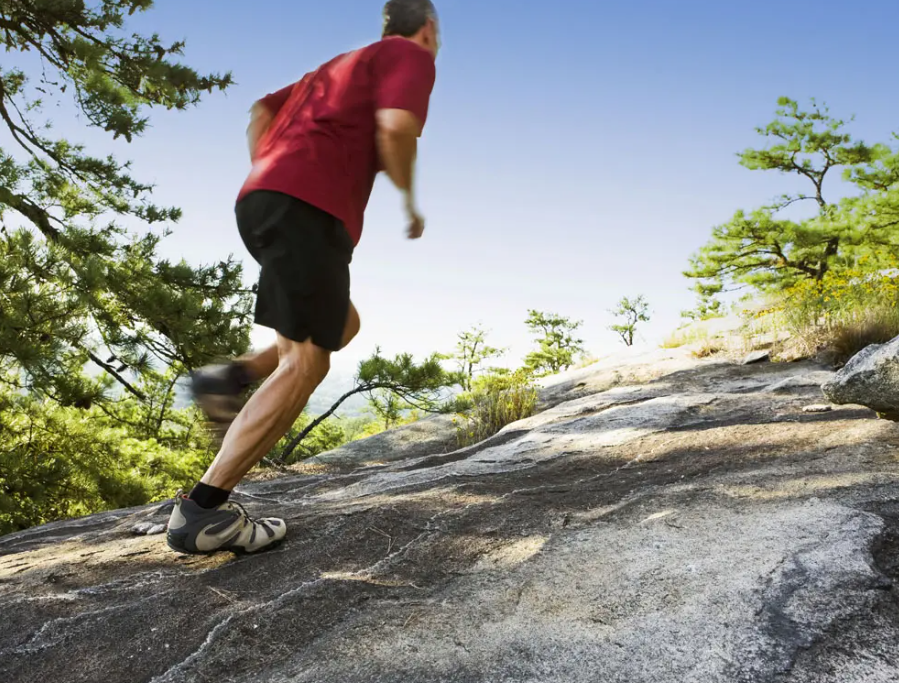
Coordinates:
(432,30)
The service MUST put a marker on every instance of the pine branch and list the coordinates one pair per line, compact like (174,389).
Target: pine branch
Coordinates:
(121,380)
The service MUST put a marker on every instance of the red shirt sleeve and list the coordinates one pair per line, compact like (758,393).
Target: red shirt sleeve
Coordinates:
(274,101)
(404,75)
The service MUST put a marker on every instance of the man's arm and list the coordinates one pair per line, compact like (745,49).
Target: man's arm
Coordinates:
(260,120)
(404,77)
(262,113)
(397,136)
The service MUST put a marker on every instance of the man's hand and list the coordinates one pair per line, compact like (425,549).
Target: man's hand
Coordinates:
(416,222)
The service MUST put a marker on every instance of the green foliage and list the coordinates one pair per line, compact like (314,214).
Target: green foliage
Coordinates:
(766,251)
(472,351)
(707,307)
(77,286)
(420,385)
(387,406)
(327,436)
(58,462)
(837,317)
(359,427)
(393,387)
(96,328)
(633,311)
(557,345)
(496,400)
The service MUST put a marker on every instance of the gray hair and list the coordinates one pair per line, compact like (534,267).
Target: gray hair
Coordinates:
(407,17)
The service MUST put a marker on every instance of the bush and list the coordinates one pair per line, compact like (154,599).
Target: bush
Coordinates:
(496,400)
(842,314)
(327,436)
(58,462)
(707,348)
(685,335)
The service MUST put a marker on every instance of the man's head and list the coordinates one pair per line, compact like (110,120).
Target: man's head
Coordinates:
(415,20)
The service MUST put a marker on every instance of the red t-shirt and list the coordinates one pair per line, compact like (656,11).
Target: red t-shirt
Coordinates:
(321,144)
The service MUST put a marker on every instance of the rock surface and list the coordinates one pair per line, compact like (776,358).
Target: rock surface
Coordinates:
(698,526)
(756,357)
(431,435)
(870,378)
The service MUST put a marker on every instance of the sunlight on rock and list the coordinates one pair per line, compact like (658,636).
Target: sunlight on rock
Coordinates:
(659,515)
(512,554)
(365,577)
(811,485)
(137,552)
(447,495)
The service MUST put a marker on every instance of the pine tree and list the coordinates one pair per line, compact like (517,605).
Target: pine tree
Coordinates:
(391,386)
(763,249)
(85,303)
(557,344)
(633,311)
(472,351)
(96,329)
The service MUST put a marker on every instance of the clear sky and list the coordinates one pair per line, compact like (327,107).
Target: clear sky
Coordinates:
(576,151)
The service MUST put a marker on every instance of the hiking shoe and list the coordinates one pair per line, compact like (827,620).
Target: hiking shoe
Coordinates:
(218,392)
(199,531)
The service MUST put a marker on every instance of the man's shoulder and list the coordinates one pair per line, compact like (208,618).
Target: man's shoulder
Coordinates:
(391,48)
(394,47)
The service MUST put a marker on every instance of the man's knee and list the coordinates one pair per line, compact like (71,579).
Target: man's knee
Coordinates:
(305,362)
(351,329)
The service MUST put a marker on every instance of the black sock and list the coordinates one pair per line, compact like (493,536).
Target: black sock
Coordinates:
(208,497)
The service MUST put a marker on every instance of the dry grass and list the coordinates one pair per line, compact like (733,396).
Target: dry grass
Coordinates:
(494,405)
(842,342)
(684,336)
(836,341)
(708,348)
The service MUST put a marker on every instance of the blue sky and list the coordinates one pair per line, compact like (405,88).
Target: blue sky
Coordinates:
(576,151)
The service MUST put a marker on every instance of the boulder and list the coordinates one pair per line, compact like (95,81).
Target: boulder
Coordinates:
(870,379)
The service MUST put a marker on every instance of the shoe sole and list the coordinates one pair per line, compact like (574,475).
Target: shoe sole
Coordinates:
(235,550)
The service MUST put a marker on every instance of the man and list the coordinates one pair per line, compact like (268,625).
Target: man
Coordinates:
(316,148)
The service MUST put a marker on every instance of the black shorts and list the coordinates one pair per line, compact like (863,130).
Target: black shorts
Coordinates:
(305,254)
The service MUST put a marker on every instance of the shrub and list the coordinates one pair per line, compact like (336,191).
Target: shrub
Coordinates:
(707,348)
(58,462)
(496,400)
(687,334)
(843,313)
(327,436)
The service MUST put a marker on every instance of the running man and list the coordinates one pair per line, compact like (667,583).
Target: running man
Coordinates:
(316,147)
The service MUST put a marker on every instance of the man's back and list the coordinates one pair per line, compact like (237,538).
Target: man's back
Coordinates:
(321,145)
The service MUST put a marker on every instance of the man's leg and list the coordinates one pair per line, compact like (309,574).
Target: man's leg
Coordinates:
(217,389)
(270,412)
(260,364)
(304,255)
(276,405)
(298,369)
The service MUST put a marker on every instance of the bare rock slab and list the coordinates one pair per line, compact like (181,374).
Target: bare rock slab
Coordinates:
(688,527)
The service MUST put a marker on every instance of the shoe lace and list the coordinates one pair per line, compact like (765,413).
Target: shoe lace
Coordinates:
(240,509)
